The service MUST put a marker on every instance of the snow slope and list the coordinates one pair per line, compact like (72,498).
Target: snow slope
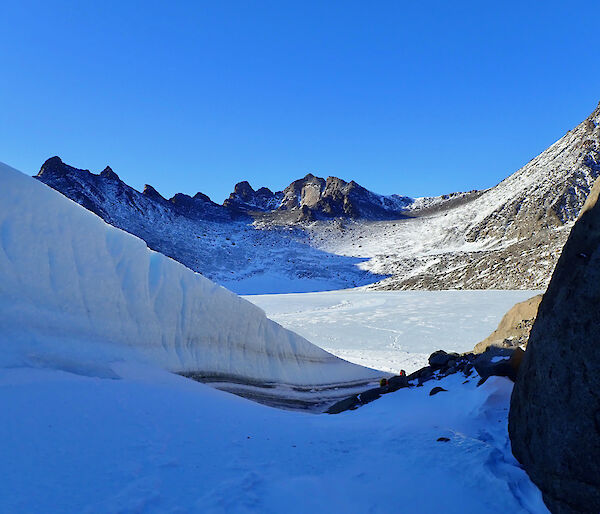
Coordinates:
(154,442)
(77,293)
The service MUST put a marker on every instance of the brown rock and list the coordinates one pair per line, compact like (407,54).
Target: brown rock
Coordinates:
(514,327)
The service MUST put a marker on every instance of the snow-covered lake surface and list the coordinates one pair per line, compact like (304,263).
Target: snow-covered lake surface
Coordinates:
(391,330)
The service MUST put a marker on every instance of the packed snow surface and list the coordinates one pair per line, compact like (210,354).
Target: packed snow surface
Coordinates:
(79,294)
(392,330)
(154,442)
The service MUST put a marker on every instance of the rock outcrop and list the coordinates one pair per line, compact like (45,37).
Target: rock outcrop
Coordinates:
(335,197)
(554,420)
(514,327)
(244,198)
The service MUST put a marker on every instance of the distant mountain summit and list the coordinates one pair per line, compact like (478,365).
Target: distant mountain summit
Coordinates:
(245,199)
(336,198)
(104,193)
(309,198)
(313,197)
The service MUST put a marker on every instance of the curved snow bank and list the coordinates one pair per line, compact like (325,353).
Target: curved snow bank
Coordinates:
(76,292)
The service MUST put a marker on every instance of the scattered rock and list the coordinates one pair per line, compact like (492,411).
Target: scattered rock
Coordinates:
(437,390)
(370,395)
(344,405)
(397,382)
(468,370)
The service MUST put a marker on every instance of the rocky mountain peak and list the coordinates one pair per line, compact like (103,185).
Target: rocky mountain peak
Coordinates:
(152,193)
(264,191)
(245,198)
(202,197)
(180,198)
(109,174)
(54,166)
(243,190)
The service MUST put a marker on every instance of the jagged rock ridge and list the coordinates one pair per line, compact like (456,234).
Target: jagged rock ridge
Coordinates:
(314,197)
(105,193)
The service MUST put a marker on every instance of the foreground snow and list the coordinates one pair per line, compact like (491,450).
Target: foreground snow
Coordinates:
(391,330)
(152,442)
(78,294)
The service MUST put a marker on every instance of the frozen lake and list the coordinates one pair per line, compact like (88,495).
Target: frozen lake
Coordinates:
(391,330)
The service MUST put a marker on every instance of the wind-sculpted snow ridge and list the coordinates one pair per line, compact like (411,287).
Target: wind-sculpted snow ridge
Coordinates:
(78,294)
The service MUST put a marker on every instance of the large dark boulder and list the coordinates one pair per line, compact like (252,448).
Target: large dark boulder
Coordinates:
(440,359)
(499,362)
(397,382)
(554,420)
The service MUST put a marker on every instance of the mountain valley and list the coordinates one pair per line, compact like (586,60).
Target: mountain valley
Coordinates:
(324,234)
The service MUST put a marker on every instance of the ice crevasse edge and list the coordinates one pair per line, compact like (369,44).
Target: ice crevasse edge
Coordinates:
(76,292)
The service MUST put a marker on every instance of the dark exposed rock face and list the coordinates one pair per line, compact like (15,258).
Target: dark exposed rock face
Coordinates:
(313,197)
(335,197)
(198,206)
(244,198)
(152,193)
(498,362)
(440,358)
(109,174)
(554,420)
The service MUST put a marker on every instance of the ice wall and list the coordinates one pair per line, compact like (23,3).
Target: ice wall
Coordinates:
(75,291)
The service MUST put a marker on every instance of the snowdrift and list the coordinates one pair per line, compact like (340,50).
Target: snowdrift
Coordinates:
(78,294)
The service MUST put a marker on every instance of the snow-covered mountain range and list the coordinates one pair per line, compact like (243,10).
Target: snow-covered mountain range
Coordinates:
(327,233)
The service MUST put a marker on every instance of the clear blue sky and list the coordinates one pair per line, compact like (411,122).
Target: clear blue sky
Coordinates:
(416,98)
